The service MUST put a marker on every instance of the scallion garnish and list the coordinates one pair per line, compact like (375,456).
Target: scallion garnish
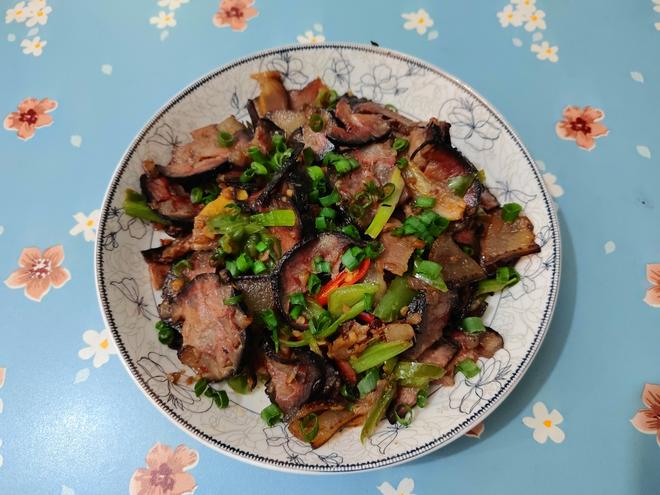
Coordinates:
(330,199)
(368,301)
(231,301)
(316,122)
(200,386)
(225,139)
(321,224)
(313,284)
(473,324)
(297,299)
(244,263)
(239,384)
(328,212)
(270,320)
(352,258)
(425,202)
(403,414)
(166,333)
(196,195)
(402,162)
(230,265)
(505,276)
(400,144)
(429,272)
(422,397)
(257,155)
(468,367)
(295,312)
(460,184)
(320,265)
(179,266)
(315,173)
(426,226)
(259,168)
(351,231)
(349,392)
(373,250)
(271,415)
(259,267)
(309,426)
(510,211)
(391,107)
(135,205)
(261,246)
(467,250)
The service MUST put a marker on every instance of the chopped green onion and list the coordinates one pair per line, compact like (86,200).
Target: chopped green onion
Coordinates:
(239,384)
(244,263)
(230,265)
(297,299)
(328,212)
(398,295)
(429,272)
(400,144)
(468,367)
(368,382)
(368,301)
(261,246)
(196,195)
(275,218)
(505,276)
(373,250)
(295,312)
(468,250)
(352,258)
(313,284)
(165,333)
(349,392)
(316,122)
(135,205)
(422,397)
(378,353)
(342,166)
(257,155)
(271,415)
(259,169)
(259,267)
(278,142)
(247,175)
(270,320)
(330,199)
(426,226)
(391,107)
(225,139)
(473,324)
(351,231)
(308,156)
(425,202)
(355,310)
(230,301)
(460,184)
(320,265)
(181,265)
(320,223)
(408,415)
(200,386)
(402,162)
(309,427)
(315,173)
(327,98)
(377,412)
(387,207)
(510,211)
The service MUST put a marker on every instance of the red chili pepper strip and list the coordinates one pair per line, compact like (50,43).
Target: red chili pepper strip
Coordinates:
(367,318)
(357,275)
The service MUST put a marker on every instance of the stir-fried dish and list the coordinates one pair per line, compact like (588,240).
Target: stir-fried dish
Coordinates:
(331,247)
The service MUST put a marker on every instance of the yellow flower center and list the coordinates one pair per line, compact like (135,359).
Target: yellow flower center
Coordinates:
(420,21)
(19,12)
(104,345)
(547,423)
(534,18)
(40,13)
(510,16)
(89,222)
(549,51)
(167,17)
(37,45)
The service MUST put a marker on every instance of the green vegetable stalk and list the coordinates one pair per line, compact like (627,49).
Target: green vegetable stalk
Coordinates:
(135,205)
(378,411)
(397,296)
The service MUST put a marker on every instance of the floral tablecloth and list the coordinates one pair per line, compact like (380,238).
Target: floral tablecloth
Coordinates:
(580,81)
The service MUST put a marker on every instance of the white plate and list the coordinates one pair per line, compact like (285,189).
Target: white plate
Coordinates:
(522,314)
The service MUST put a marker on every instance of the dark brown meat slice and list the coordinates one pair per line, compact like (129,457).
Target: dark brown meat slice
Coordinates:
(467,349)
(331,418)
(489,343)
(204,153)
(503,242)
(359,128)
(295,267)
(488,201)
(157,271)
(402,122)
(213,332)
(440,354)
(377,162)
(406,396)
(258,292)
(293,381)
(273,95)
(167,198)
(159,260)
(301,98)
(435,307)
(397,250)
(457,267)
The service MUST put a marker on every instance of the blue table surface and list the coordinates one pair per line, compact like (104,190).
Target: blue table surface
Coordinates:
(72,425)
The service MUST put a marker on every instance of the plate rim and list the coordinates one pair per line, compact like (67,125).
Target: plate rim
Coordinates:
(283,466)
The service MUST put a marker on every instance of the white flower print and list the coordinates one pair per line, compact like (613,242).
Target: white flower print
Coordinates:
(510,17)
(37,4)
(35,46)
(406,487)
(551,183)
(163,20)
(99,346)
(311,38)
(420,20)
(86,224)
(656,7)
(525,6)
(546,52)
(545,424)
(172,4)
(535,20)
(18,13)
(39,16)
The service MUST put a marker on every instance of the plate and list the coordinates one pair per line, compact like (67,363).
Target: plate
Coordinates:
(521,314)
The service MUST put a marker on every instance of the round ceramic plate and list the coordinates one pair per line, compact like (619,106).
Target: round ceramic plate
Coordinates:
(522,314)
